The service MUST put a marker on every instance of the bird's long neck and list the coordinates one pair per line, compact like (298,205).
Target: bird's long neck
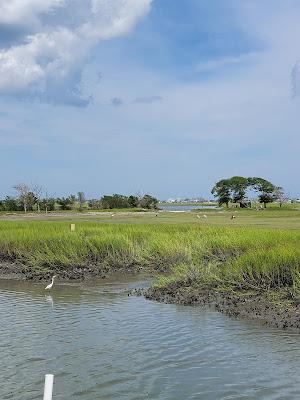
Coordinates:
(52,280)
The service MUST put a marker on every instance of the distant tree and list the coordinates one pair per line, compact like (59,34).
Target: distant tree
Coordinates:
(234,189)
(279,195)
(148,201)
(114,201)
(265,189)
(11,204)
(238,186)
(32,201)
(48,203)
(37,190)
(66,203)
(24,194)
(221,191)
(95,204)
(72,200)
(133,201)
(81,200)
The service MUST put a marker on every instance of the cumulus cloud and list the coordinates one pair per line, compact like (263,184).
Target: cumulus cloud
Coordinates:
(25,12)
(47,60)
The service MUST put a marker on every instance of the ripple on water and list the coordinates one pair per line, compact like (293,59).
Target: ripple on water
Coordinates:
(102,344)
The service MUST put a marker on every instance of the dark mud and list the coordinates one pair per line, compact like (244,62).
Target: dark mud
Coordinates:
(10,269)
(256,306)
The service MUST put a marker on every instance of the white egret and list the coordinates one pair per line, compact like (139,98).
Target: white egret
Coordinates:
(51,284)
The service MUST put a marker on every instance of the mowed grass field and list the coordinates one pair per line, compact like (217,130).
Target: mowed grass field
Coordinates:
(285,218)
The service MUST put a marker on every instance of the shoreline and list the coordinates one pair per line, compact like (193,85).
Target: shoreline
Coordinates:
(17,271)
(267,308)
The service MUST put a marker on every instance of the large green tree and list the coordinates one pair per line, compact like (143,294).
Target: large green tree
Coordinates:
(266,190)
(238,186)
(221,191)
(234,190)
(231,190)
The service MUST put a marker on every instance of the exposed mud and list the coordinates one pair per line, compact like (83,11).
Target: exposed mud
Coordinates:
(257,306)
(10,269)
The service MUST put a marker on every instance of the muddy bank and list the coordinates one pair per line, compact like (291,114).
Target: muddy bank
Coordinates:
(267,308)
(10,269)
(13,268)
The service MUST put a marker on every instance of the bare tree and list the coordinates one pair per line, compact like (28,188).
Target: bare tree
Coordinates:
(46,198)
(280,196)
(37,190)
(24,194)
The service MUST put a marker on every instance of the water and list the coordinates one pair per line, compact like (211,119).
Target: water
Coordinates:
(102,344)
(185,207)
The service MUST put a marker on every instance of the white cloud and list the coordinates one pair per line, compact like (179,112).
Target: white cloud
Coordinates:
(44,55)
(212,65)
(25,12)
(114,18)
(52,56)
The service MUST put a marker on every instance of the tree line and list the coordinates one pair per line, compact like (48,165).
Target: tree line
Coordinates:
(35,198)
(234,190)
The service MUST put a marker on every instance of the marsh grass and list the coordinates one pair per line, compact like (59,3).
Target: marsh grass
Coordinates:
(201,256)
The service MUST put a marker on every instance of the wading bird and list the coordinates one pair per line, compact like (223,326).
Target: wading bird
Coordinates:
(51,284)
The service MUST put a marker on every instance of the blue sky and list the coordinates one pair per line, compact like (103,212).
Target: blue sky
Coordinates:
(162,96)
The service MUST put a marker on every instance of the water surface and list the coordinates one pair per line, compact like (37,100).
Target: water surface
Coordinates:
(102,344)
(177,207)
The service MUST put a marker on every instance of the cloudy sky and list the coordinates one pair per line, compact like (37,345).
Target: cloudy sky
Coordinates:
(158,96)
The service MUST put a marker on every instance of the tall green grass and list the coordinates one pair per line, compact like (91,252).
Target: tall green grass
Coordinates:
(202,256)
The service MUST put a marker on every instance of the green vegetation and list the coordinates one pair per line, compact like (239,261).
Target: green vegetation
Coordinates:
(35,198)
(234,190)
(241,259)
(200,254)
(287,217)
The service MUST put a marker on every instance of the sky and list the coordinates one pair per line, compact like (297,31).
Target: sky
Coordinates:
(148,96)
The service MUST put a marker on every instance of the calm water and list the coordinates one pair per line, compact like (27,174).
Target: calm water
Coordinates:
(102,344)
(185,207)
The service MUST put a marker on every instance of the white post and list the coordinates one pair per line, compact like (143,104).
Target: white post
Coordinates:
(48,386)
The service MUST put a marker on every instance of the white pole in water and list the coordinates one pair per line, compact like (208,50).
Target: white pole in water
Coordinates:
(48,386)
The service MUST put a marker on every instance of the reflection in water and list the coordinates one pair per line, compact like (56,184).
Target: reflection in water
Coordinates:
(49,300)
(102,344)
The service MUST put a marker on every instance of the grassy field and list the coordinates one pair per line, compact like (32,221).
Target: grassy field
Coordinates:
(256,250)
(273,218)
